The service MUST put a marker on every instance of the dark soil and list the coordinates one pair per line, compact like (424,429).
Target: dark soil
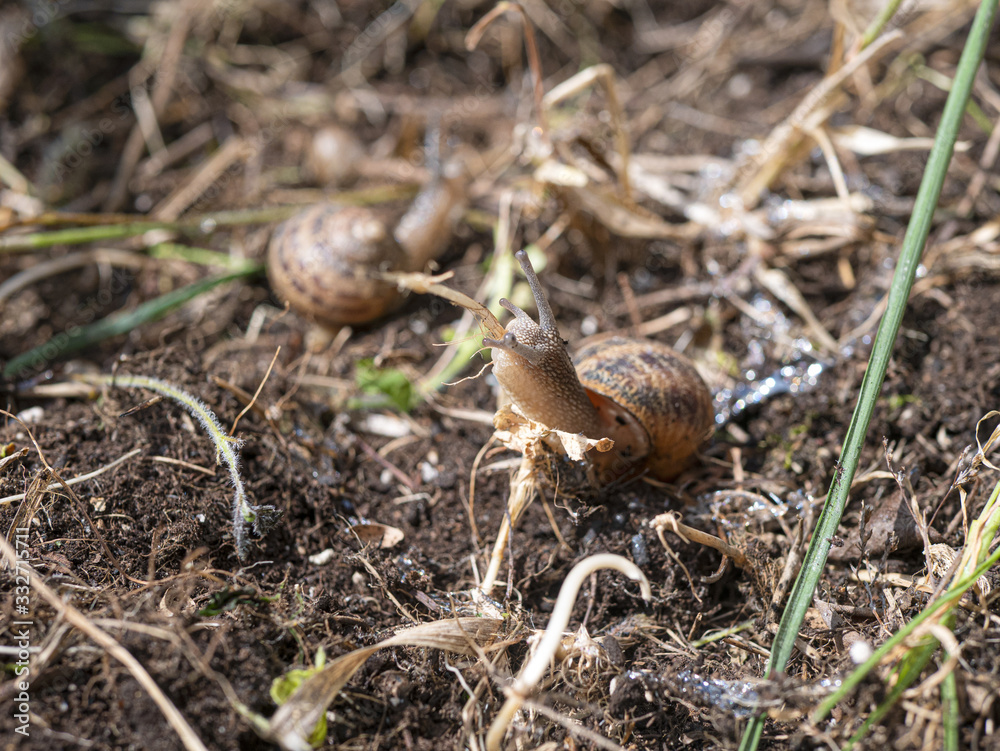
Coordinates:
(145,548)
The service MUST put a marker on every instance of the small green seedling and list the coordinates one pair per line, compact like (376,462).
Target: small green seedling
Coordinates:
(388,382)
(284,686)
(229,599)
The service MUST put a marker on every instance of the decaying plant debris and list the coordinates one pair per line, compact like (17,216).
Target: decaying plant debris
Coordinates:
(733,179)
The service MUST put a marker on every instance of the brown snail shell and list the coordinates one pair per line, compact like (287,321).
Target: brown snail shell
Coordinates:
(651,402)
(321,259)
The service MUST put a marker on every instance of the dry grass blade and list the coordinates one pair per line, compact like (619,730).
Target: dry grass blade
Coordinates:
(82,623)
(625,220)
(233,151)
(475,34)
(757,175)
(606,76)
(778,283)
(31,503)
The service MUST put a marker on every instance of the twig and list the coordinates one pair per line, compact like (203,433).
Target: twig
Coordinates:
(386,464)
(78,479)
(249,406)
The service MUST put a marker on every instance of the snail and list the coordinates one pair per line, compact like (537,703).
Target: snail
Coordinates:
(333,155)
(644,396)
(323,259)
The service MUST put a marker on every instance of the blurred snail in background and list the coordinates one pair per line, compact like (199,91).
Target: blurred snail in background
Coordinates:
(333,155)
(644,396)
(323,260)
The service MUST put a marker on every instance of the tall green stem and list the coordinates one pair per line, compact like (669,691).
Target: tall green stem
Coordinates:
(899,292)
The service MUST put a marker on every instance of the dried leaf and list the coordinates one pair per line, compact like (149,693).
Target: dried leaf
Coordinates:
(386,536)
(518,433)
(293,723)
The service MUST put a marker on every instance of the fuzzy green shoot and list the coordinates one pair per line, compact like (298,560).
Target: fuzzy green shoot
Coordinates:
(226,452)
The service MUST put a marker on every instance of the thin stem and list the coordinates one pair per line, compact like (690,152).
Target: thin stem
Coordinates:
(534,60)
(913,243)
(545,653)
(879,23)
(947,600)
(522,493)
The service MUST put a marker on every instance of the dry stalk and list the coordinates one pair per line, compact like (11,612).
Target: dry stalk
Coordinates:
(80,478)
(100,637)
(545,653)
(294,721)
(534,61)
(670,521)
(522,493)
(811,113)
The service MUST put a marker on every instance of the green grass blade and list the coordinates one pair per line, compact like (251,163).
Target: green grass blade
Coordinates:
(878,25)
(947,600)
(913,664)
(201,256)
(118,323)
(949,711)
(78,235)
(133,226)
(120,226)
(902,281)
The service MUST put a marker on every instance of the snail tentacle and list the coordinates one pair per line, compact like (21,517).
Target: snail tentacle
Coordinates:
(512,308)
(546,319)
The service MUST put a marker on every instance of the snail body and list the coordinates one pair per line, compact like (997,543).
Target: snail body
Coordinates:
(644,396)
(323,260)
